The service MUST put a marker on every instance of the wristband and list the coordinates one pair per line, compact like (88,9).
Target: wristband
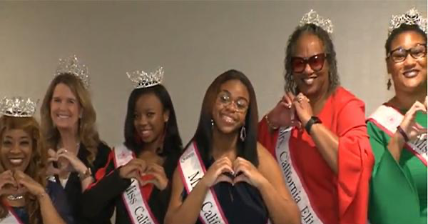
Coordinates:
(86,174)
(312,121)
(403,133)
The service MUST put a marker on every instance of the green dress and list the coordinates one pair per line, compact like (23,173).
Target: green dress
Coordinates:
(398,191)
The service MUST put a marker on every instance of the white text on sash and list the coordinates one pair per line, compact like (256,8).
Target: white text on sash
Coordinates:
(137,206)
(295,186)
(192,170)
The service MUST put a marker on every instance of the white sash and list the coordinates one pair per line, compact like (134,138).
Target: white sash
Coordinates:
(192,170)
(387,119)
(10,218)
(136,205)
(292,178)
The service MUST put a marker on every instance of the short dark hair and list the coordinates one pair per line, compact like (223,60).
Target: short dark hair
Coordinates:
(172,141)
(403,28)
(247,149)
(290,84)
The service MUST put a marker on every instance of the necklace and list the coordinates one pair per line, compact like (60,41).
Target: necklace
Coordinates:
(15,198)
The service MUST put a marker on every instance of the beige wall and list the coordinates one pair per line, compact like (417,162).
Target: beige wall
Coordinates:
(194,41)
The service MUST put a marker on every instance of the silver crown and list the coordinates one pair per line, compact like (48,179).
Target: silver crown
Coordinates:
(17,107)
(142,79)
(411,17)
(312,17)
(73,66)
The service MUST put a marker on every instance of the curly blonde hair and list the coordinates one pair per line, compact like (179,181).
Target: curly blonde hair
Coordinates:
(36,168)
(87,131)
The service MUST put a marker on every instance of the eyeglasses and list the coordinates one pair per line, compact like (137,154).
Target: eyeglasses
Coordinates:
(400,54)
(316,63)
(240,104)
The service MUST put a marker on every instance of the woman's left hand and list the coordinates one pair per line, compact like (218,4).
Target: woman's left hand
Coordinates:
(247,172)
(76,164)
(302,107)
(29,183)
(160,180)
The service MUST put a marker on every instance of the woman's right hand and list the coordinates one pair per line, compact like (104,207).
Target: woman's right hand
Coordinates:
(33,187)
(215,173)
(8,184)
(282,114)
(134,169)
(409,125)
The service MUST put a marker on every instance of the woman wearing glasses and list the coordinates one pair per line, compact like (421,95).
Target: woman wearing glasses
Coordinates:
(317,131)
(397,129)
(224,176)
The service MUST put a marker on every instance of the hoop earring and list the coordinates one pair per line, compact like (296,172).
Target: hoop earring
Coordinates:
(388,84)
(243,133)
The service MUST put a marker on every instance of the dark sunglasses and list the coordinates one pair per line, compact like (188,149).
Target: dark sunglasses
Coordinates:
(400,54)
(316,63)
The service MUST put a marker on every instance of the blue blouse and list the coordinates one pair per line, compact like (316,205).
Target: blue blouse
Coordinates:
(59,201)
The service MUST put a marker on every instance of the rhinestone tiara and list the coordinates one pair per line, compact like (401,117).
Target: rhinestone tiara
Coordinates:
(142,79)
(312,17)
(411,17)
(17,107)
(73,66)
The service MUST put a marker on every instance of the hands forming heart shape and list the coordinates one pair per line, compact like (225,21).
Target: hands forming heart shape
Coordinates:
(13,189)
(56,164)
(16,182)
(145,173)
(240,170)
(291,111)
(231,176)
(63,161)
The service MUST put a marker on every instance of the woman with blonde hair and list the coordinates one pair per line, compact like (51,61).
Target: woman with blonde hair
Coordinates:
(27,197)
(68,121)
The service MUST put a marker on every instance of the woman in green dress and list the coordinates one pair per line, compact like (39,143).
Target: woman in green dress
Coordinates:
(397,129)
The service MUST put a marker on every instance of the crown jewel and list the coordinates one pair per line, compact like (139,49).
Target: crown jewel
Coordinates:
(411,17)
(142,79)
(73,66)
(17,107)
(312,17)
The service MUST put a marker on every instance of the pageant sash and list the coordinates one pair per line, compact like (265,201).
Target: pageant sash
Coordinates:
(292,179)
(387,119)
(11,218)
(192,170)
(137,206)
